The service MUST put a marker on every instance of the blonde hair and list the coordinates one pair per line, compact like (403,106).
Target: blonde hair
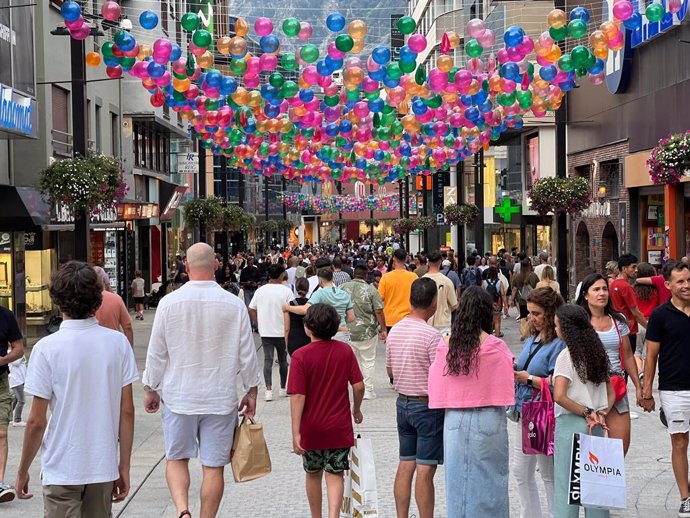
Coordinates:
(612,269)
(547,274)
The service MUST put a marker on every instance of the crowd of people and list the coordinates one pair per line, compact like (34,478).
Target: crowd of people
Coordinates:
(320,314)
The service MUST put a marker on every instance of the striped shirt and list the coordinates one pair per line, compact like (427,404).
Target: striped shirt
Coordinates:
(410,351)
(341,277)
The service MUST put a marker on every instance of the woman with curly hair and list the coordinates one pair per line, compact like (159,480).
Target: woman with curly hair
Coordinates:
(583,396)
(613,331)
(535,366)
(471,378)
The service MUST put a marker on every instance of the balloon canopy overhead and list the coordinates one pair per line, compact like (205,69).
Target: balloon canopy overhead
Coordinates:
(347,116)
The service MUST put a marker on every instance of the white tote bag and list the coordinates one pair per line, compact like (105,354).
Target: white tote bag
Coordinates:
(360,498)
(602,472)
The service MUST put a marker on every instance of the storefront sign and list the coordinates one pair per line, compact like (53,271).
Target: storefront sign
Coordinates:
(62,215)
(18,113)
(450,195)
(187,163)
(598,210)
(174,202)
(507,208)
(619,63)
(132,211)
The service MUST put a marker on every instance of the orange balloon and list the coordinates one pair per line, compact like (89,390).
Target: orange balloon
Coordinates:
(358,46)
(205,60)
(610,29)
(223,45)
(598,39)
(144,52)
(357,29)
(445,63)
(453,38)
(557,19)
(93,59)
(554,54)
(601,52)
(237,46)
(241,27)
(149,83)
(254,98)
(181,85)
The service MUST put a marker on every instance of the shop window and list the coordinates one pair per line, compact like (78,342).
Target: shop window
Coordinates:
(39,265)
(99,129)
(610,176)
(531,160)
(61,137)
(584,171)
(115,135)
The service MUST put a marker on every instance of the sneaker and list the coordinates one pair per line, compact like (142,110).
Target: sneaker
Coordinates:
(268,395)
(7,493)
(282,392)
(684,511)
(19,424)
(369,394)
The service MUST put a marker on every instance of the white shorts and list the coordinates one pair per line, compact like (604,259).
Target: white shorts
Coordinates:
(208,436)
(676,406)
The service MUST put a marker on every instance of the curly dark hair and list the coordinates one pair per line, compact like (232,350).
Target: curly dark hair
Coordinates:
(322,320)
(586,350)
(587,283)
(475,315)
(549,300)
(644,291)
(76,289)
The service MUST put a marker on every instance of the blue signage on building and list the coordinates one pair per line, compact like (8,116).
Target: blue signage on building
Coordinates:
(619,63)
(17,113)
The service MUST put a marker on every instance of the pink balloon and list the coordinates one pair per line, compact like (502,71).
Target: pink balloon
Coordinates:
(82,33)
(305,31)
(263,26)
(674,6)
(622,10)
(333,51)
(310,75)
(110,10)
(545,40)
(253,66)
(417,43)
(476,27)
(76,24)
(488,39)
(502,56)
(252,81)
(268,62)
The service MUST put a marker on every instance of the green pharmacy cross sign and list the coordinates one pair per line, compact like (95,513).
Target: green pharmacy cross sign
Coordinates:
(507,208)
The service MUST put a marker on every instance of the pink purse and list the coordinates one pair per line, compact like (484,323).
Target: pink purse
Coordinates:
(538,423)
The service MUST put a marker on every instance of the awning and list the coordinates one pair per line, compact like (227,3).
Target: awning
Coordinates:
(170,196)
(22,208)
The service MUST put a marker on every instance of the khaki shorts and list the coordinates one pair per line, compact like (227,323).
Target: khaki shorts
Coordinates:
(81,501)
(5,401)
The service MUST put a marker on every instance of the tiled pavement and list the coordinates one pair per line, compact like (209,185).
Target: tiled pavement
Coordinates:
(651,487)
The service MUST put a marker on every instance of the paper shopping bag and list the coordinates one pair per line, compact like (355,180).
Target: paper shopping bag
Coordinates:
(360,499)
(538,423)
(574,472)
(525,328)
(249,459)
(602,472)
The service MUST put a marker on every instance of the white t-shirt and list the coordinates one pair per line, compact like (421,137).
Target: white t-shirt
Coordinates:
(138,287)
(81,370)
(587,394)
(268,302)
(291,277)
(313,283)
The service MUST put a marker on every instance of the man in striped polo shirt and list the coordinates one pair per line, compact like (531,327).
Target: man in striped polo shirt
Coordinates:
(410,351)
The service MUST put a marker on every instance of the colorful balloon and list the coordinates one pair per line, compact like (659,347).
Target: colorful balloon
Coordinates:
(147,19)
(335,22)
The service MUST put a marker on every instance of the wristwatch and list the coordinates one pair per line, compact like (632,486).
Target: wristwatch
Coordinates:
(530,380)
(587,412)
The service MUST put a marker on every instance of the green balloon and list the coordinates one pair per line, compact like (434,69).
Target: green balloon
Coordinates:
(577,28)
(434,102)
(202,38)
(580,55)
(473,49)
(212,104)
(581,71)
(420,76)
(344,43)
(289,89)
(369,96)
(238,66)
(506,99)
(654,12)
(178,96)
(449,141)
(559,34)
(393,70)
(451,74)
(407,66)
(406,25)
(276,79)
(352,95)
(190,22)
(291,27)
(126,62)
(288,61)
(309,53)
(524,99)
(397,127)
(331,100)
(565,63)
(107,49)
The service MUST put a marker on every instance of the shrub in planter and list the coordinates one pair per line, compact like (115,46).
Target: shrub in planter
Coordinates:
(461,214)
(425,222)
(371,222)
(403,225)
(204,211)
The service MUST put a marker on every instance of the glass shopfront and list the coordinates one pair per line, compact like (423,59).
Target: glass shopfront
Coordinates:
(41,261)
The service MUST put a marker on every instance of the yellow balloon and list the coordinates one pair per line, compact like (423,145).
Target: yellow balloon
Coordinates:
(241,27)
(241,96)
(357,29)
(557,19)
(445,63)
(254,98)
(223,45)
(144,52)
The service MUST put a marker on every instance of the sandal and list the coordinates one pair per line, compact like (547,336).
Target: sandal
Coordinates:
(185,513)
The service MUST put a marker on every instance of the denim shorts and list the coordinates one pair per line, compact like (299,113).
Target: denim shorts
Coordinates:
(420,431)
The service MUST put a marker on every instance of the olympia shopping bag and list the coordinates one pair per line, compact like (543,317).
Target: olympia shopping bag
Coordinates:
(249,458)
(360,499)
(538,423)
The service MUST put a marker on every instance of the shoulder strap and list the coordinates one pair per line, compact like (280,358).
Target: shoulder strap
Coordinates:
(620,343)
(532,354)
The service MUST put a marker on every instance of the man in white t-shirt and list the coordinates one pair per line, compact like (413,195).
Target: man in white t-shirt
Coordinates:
(266,311)
(543,263)
(84,374)
(293,263)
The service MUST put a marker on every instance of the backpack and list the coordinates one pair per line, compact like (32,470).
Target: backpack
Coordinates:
(470,277)
(493,289)
(526,289)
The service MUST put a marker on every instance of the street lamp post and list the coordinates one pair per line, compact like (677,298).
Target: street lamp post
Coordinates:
(80,139)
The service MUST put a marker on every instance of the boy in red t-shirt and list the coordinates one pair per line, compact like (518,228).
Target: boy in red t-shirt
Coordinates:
(320,406)
(623,297)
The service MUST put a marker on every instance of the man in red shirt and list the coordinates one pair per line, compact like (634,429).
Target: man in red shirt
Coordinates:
(320,406)
(623,297)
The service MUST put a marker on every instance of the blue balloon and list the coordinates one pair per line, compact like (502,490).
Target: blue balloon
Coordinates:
(486,106)
(268,91)
(155,70)
(323,69)
(332,130)
(378,155)
(390,82)
(513,36)
(335,22)
(176,52)
(70,11)
(111,61)
(378,75)
(579,13)
(381,55)
(271,111)
(306,95)
(345,126)
(634,22)
(419,107)
(333,64)
(214,78)
(548,72)
(510,71)
(598,66)
(148,20)
(472,114)
(376,105)
(124,41)
(566,86)
(407,54)
(269,43)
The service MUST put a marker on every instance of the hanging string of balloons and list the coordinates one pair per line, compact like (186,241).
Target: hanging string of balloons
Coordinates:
(342,116)
(335,203)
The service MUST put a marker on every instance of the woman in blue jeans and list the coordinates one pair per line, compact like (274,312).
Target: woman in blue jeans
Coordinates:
(583,395)
(472,379)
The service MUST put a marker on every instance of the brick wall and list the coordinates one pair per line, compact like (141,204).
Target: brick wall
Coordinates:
(595,240)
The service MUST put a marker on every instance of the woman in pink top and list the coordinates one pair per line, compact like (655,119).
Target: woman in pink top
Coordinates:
(472,378)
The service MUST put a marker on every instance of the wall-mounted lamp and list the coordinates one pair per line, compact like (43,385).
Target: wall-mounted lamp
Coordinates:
(601,192)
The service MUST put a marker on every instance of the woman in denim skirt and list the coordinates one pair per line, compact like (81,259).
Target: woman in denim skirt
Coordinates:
(472,379)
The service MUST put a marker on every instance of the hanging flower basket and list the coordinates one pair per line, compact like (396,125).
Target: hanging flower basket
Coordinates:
(371,222)
(269,226)
(425,222)
(91,184)
(670,160)
(340,222)
(285,224)
(233,218)
(560,195)
(202,211)
(404,225)
(462,214)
